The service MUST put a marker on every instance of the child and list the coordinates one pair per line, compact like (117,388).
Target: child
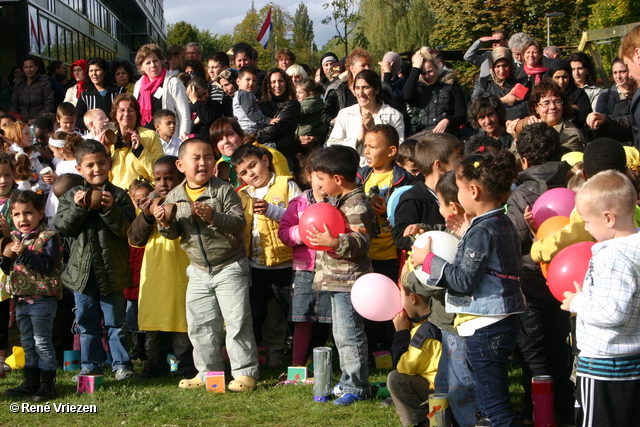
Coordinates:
(336,270)
(405,157)
(34,281)
(483,282)
(42,130)
(311,130)
(264,200)
(203,112)
(98,269)
(210,223)
(96,122)
(245,106)
(165,123)
(226,135)
(66,117)
(163,283)
(416,353)
(63,145)
(607,305)
(307,305)
(436,154)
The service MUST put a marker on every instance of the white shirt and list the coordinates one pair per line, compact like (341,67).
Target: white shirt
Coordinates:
(170,148)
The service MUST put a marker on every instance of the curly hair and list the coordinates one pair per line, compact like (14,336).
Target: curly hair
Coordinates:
(587,63)
(548,87)
(494,172)
(539,143)
(289,93)
(482,105)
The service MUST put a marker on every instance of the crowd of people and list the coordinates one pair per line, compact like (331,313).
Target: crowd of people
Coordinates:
(163,206)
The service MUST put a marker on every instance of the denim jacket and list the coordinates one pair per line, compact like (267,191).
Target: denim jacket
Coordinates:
(484,278)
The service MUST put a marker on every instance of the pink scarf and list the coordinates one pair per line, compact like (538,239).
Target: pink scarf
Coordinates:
(537,71)
(147,88)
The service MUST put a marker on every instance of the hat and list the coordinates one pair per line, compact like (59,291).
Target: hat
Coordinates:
(410,281)
(499,53)
(394,59)
(573,157)
(329,56)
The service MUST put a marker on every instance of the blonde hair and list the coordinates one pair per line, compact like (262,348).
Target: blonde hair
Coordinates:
(607,191)
(431,55)
(91,115)
(630,42)
(296,70)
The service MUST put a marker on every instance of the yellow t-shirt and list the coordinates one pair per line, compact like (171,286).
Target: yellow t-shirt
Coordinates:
(194,193)
(382,246)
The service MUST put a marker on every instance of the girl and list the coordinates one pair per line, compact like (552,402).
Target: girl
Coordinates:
(24,144)
(311,129)
(307,305)
(63,145)
(483,282)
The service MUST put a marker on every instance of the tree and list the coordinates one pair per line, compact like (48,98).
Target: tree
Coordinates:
(183,32)
(302,38)
(344,17)
(611,13)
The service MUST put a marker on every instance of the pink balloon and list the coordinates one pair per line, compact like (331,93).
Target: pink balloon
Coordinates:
(319,214)
(558,201)
(376,297)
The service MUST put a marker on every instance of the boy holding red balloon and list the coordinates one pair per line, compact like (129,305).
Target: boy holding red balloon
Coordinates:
(339,267)
(607,305)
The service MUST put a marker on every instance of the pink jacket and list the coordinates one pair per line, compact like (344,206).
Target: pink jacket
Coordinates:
(303,257)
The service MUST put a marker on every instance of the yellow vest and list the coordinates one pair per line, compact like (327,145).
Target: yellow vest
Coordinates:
(275,252)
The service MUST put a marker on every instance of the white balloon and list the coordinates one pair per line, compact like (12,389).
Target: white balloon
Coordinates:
(444,245)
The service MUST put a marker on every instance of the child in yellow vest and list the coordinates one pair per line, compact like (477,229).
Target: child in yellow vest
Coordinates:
(264,201)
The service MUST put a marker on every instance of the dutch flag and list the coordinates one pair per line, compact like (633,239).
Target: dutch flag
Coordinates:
(265,31)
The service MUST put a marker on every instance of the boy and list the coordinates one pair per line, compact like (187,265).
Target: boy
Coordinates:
(265,199)
(405,157)
(98,267)
(607,305)
(34,281)
(66,117)
(416,353)
(336,270)
(6,119)
(209,222)
(42,130)
(436,154)
(218,62)
(245,106)
(163,282)
(96,121)
(165,124)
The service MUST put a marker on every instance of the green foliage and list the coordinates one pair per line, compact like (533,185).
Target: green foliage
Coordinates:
(183,32)
(345,18)
(302,38)
(611,13)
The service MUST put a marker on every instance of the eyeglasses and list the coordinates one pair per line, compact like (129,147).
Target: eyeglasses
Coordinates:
(547,104)
(127,110)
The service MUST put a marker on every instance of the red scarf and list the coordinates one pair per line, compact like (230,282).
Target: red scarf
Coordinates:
(82,64)
(537,71)
(147,88)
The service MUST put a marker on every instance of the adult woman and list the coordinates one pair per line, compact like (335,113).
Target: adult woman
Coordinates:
(279,101)
(228,80)
(560,72)
(122,75)
(137,148)
(487,113)
(296,72)
(99,91)
(584,75)
(549,104)
(78,69)
(326,62)
(156,91)
(616,100)
(353,122)
(501,82)
(532,67)
(54,68)
(32,94)
(437,100)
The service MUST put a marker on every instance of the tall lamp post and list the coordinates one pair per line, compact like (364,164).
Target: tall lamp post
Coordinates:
(549,16)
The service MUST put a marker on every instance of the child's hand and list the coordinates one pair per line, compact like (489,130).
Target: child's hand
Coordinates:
(260,206)
(413,229)
(568,297)
(204,211)
(4,226)
(379,205)
(401,321)
(160,216)
(17,248)
(107,201)
(419,254)
(274,120)
(528,217)
(50,177)
(458,224)
(405,269)
(144,205)
(322,238)
(78,199)
(356,229)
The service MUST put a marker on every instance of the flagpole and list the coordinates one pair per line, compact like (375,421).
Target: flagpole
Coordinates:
(273,51)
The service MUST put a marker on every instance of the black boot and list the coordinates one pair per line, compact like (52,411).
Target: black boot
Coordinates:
(30,385)
(47,389)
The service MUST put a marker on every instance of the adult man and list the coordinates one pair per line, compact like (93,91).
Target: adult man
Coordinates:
(516,43)
(285,58)
(552,52)
(194,51)
(175,59)
(498,38)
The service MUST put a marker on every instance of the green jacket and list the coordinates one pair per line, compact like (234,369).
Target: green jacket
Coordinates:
(209,246)
(100,240)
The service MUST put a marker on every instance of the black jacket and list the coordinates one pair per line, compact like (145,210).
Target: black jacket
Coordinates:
(283,133)
(207,114)
(487,85)
(91,98)
(530,184)
(625,128)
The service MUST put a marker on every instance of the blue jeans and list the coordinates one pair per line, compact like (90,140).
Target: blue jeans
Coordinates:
(454,379)
(91,307)
(35,322)
(487,352)
(351,343)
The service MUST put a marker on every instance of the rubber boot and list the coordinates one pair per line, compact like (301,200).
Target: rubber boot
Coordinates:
(29,386)
(47,390)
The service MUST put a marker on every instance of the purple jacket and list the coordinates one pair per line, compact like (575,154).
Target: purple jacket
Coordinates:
(303,256)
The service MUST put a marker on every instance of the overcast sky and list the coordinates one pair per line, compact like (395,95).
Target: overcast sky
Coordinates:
(220,16)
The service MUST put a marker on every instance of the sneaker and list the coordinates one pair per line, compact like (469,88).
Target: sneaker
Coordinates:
(124,374)
(347,399)
(337,390)
(83,371)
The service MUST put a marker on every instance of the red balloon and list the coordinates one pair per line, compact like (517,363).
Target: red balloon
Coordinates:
(568,266)
(319,214)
